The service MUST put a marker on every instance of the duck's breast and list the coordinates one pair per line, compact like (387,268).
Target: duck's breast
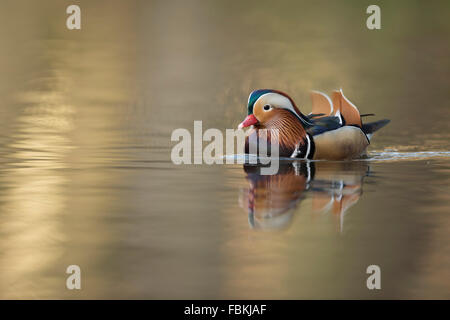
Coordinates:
(347,142)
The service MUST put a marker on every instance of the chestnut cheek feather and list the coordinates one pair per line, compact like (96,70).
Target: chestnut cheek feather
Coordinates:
(290,131)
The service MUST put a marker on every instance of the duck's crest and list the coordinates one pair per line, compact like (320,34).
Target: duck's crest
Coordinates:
(255,96)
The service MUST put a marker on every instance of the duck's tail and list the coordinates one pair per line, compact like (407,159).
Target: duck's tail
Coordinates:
(371,127)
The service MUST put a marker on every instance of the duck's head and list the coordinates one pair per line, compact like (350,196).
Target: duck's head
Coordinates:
(266,106)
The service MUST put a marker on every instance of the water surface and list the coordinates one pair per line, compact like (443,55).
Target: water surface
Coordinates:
(86,176)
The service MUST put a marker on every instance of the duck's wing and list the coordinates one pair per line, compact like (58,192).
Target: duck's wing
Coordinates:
(352,117)
(324,124)
(347,109)
(321,104)
(330,114)
(324,116)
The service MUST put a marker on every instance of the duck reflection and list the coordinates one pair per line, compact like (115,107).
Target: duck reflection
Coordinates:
(333,187)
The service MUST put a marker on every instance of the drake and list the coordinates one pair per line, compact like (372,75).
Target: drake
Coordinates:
(332,131)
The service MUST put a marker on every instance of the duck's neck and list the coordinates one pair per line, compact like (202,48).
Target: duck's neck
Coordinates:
(291,133)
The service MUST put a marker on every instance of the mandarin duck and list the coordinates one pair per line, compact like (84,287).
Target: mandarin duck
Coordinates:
(332,131)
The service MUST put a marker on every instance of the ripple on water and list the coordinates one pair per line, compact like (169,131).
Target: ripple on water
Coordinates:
(397,156)
(372,156)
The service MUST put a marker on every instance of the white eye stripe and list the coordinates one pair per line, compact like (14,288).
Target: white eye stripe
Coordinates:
(276,99)
(280,101)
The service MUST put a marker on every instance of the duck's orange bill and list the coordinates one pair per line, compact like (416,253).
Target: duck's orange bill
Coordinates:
(249,121)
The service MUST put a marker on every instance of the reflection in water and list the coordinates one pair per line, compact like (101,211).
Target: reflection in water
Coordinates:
(33,200)
(65,116)
(271,200)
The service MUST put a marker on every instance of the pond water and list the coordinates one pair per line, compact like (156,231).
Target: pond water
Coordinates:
(86,176)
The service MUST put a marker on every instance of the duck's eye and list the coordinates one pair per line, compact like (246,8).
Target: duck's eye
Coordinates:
(267,107)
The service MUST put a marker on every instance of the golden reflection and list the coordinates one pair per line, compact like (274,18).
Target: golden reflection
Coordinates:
(68,105)
(272,200)
(34,199)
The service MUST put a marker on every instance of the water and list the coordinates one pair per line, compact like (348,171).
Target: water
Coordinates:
(85,171)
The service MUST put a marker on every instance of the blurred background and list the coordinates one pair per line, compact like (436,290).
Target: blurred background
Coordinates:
(85,172)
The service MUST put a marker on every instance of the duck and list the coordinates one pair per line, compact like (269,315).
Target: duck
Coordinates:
(333,130)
